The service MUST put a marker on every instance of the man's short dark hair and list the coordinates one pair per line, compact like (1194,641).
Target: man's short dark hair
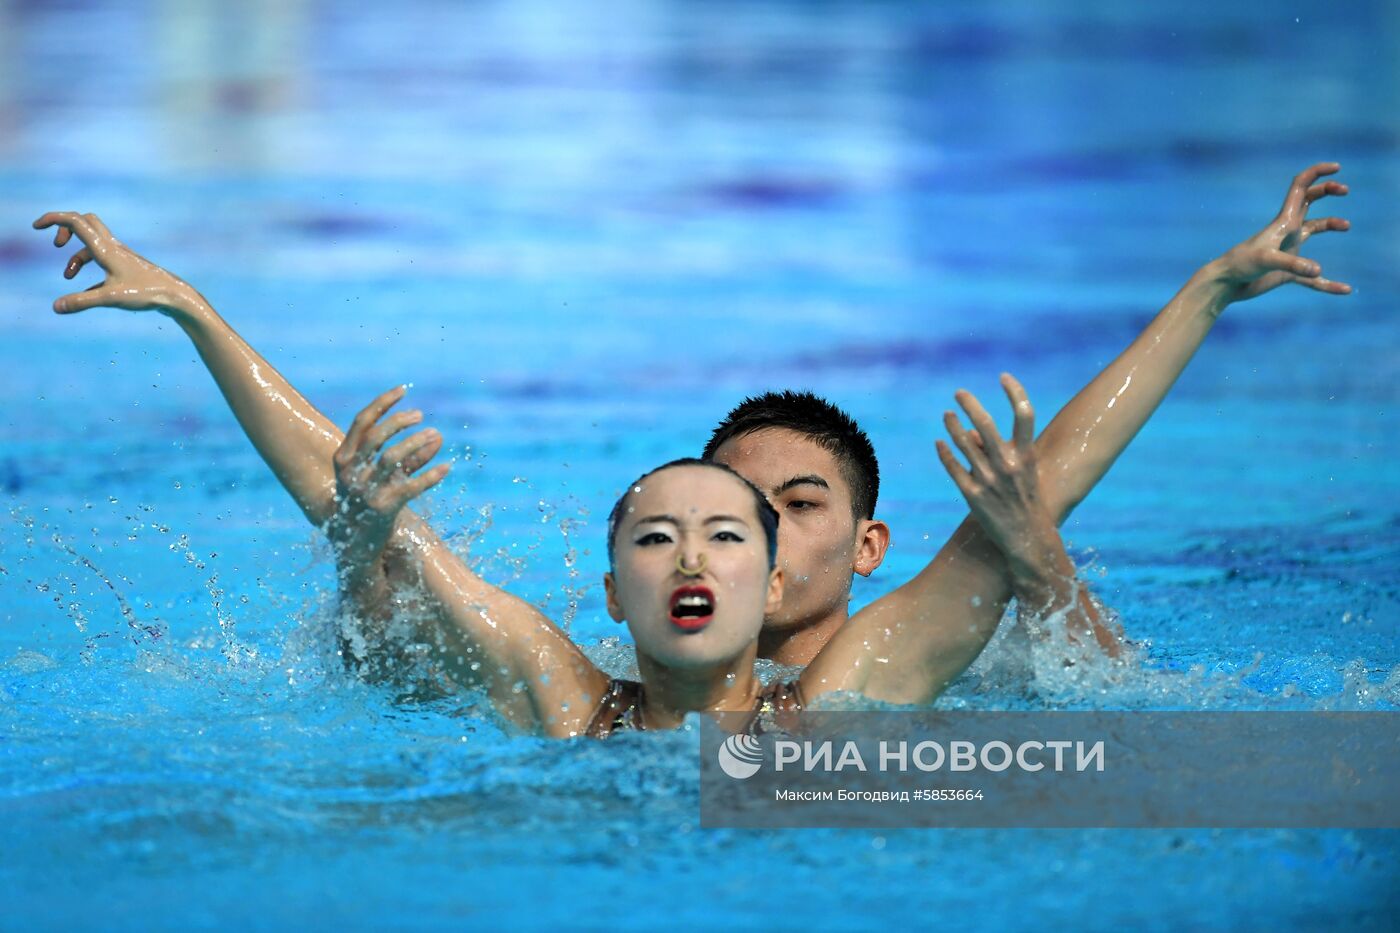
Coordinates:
(767,515)
(819,421)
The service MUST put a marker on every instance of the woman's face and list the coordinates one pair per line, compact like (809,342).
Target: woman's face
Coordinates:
(691,574)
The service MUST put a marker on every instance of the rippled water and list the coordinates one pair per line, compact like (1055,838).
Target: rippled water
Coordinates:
(583,237)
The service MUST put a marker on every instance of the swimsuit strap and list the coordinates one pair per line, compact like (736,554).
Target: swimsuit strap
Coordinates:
(776,708)
(620,708)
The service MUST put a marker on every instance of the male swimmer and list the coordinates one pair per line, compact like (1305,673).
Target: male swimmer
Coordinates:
(820,471)
(895,649)
(961,595)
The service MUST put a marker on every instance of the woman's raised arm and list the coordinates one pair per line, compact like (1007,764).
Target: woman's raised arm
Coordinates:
(911,643)
(293,437)
(535,675)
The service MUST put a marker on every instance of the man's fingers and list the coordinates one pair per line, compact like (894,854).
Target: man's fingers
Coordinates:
(420,456)
(409,455)
(961,478)
(991,440)
(1298,190)
(424,481)
(1023,431)
(94,297)
(376,436)
(1334,188)
(981,470)
(76,262)
(368,416)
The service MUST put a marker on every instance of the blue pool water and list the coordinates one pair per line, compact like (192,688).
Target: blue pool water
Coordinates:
(582,237)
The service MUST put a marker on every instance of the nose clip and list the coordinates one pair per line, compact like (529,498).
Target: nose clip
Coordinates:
(691,571)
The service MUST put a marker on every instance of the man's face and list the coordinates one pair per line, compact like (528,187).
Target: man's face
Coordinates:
(817,545)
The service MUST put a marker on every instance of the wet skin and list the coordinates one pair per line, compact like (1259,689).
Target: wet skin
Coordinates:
(821,544)
(687,528)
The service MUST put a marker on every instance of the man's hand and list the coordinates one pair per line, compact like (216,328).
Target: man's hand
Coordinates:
(133,282)
(1001,483)
(1270,257)
(1002,487)
(370,493)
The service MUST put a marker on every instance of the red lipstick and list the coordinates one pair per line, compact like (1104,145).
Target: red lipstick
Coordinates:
(692,608)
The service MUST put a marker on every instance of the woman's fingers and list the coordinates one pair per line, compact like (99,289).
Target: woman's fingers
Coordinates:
(98,227)
(1287,262)
(1325,285)
(69,222)
(97,239)
(76,262)
(1325,224)
(1294,201)
(354,438)
(1334,188)
(93,297)
(1023,431)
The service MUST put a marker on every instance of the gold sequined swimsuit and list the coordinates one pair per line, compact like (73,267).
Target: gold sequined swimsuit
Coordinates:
(621,708)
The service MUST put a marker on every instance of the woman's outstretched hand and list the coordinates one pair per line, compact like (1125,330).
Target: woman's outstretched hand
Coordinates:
(133,282)
(373,487)
(1270,257)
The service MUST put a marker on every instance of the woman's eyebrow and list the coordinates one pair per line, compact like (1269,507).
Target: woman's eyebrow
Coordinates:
(672,520)
(811,479)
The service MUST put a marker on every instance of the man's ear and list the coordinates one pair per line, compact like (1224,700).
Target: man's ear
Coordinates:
(872,540)
(775,591)
(614,607)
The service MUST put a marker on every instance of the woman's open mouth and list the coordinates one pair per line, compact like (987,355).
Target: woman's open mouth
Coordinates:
(692,608)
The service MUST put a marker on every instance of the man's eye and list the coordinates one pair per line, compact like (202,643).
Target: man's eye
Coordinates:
(726,536)
(654,537)
(801,505)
